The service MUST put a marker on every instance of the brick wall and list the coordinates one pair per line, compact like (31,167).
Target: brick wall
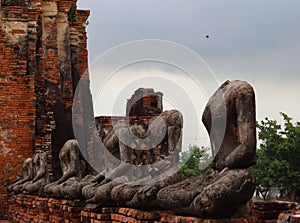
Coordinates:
(144,102)
(107,121)
(17,94)
(37,80)
(26,208)
(274,211)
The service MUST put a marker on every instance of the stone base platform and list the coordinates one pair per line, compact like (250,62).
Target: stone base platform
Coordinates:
(276,212)
(27,208)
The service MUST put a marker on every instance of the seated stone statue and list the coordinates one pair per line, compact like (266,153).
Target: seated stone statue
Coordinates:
(27,175)
(236,148)
(143,162)
(111,144)
(222,190)
(161,164)
(72,170)
(40,174)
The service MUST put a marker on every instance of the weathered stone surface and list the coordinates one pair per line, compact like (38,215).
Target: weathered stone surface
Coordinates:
(229,118)
(41,177)
(274,205)
(149,162)
(36,83)
(277,211)
(213,194)
(27,175)
(25,208)
(266,215)
(142,195)
(151,103)
(111,143)
(131,146)
(73,171)
(34,175)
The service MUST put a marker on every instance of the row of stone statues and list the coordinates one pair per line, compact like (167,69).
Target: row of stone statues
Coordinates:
(135,150)
(34,175)
(229,118)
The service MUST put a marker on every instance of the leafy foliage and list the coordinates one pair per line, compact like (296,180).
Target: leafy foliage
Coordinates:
(13,2)
(278,156)
(72,16)
(194,161)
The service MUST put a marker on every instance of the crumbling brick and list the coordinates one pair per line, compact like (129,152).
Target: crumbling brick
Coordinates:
(35,109)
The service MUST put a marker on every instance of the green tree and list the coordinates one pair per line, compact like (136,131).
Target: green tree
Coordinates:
(72,16)
(278,156)
(194,161)
(13,3)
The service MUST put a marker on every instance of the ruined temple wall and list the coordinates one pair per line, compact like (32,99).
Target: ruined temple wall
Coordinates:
(83,115)
(58,77)
(144,102)
(26,208)
(17,93)
(108,121)
(42,57)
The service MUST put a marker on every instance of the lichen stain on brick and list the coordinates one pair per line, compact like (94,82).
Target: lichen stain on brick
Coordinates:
(9,26)
(7,169)
(4,150)
(41,58)
(7,135)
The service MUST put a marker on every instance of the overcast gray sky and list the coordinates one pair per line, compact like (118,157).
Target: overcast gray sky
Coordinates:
(257,41)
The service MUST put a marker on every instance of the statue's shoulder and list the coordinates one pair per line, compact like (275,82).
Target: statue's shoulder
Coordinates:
(240,84)
(70,145)
(237,87)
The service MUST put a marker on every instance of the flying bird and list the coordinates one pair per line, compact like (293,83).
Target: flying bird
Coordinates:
(207,36)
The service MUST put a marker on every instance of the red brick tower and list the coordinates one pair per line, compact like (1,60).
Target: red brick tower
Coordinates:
(42,56)
(144,102)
